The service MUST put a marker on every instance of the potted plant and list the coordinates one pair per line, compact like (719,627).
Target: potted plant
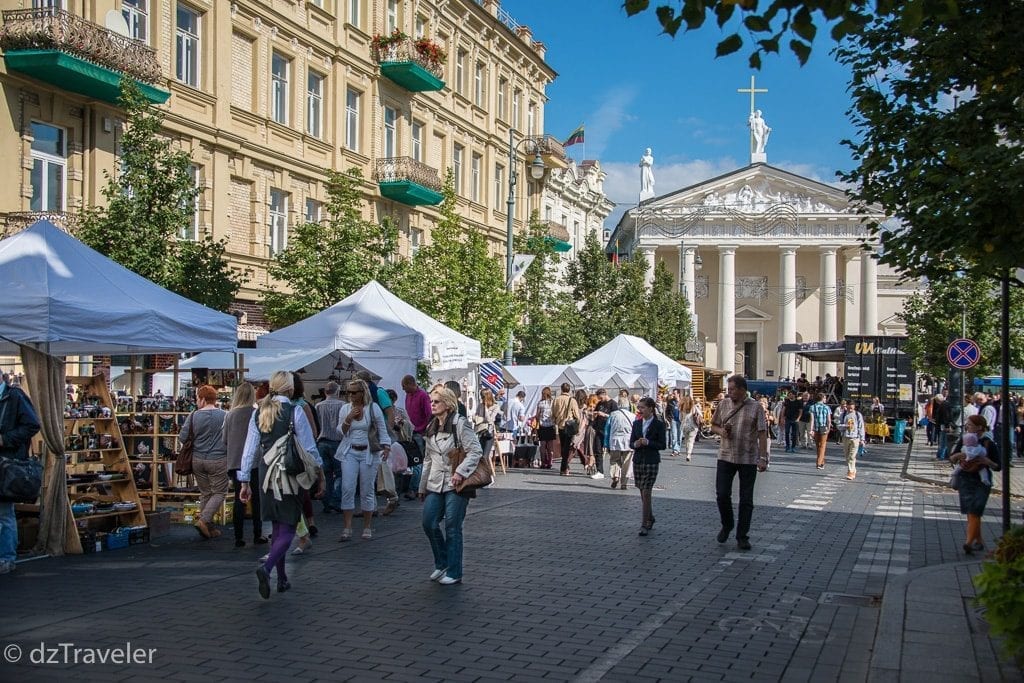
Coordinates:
(1000,587)
(430,52)
(385,48)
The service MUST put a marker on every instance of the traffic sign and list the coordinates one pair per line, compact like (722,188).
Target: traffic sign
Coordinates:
(963,354)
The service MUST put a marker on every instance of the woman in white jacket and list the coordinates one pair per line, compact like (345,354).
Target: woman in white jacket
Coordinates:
(619,427)
(364,442)
(446,431)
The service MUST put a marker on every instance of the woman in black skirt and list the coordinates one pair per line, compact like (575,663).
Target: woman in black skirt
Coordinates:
(975,479)
(647,441)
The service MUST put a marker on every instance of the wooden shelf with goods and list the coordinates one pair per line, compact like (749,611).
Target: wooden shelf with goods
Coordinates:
(94,448)
(151,440)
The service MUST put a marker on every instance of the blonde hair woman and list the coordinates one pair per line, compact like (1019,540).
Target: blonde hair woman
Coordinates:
(271,420)
(364,443)
(236,427)
(690,417)
(447,430)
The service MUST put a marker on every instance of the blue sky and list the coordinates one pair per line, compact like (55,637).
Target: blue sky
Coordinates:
(634,87)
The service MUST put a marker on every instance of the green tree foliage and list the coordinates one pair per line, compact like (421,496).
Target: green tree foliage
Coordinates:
(325,262)
(1000,586)
(938,313)
(793,23)
(670,325)
(950,175)
(150,200)
(455,280)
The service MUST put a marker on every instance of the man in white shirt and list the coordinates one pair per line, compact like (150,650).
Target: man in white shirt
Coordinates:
(517,413)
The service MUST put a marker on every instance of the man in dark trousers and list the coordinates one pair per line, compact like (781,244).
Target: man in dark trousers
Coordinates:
(792,408)
(741,422)
(18,424)
(605,407)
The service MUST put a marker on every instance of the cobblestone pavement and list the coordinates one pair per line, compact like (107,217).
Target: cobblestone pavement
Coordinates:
(558,586)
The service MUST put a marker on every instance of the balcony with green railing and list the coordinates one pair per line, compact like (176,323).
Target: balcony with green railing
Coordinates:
(74,54)
(405,180)
(416,65)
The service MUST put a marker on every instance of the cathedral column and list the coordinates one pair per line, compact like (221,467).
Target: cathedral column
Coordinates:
(687,276)
(851,280)
(869,293)
(829,300)
(648,254)
(787,304)
(727,308)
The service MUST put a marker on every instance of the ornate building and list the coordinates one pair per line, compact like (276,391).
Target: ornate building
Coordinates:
(575,206)
(265,95)
(766,257)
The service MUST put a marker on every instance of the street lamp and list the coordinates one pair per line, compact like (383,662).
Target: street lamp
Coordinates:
(537,169)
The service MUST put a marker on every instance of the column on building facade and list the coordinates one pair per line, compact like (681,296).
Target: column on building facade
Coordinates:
(869,294)
(688,278)
(648,254)
(787,305)
(829,301)
(853,294)
(727,308)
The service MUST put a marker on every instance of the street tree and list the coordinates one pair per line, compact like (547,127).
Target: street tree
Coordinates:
(965,306)
(592,280)
(668,315)
(456,280)
(325,262)
(150,203)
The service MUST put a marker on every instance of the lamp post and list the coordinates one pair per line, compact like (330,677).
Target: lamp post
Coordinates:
(536,172)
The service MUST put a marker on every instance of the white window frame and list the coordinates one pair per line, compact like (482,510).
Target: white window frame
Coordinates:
(460,72)
(499,186)
(136,15)
(416,142)
(279,82)
(390,132)
(420,27)
(355,14)
(517,96)
(458,151)
(501,95)
(315,103)
(314,210)
(531,118)
(478,84)
(353,99)
(277,221)
(392,16)
(188,48)
(475,161)
(47,160)
(415,240)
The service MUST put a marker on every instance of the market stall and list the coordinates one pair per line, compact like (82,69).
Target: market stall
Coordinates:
(632,355)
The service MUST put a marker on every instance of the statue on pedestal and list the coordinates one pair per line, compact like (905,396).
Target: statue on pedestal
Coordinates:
(647,174)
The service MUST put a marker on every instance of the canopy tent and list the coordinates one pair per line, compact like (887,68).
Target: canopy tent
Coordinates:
(63,298)
(632,355)
(376,328)
(317,366)
(824,352)
(532,379)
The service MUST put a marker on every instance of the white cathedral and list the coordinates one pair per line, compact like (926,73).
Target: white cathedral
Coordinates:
(765,257)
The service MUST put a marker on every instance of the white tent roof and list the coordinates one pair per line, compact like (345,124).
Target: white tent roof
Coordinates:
(317,365)
(632,355)
(533,378)
(67,299)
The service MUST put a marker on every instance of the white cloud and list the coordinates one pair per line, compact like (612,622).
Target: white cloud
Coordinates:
(609,118)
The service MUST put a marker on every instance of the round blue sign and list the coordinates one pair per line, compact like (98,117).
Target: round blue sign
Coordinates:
(963,354)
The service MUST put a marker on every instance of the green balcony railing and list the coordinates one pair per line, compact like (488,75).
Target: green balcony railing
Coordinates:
(417,66)
(405,180)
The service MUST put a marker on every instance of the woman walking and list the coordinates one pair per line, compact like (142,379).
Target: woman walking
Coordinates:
(299,401)
(690,420)
(447,431)
(975,479)
(364,443)
(280,503)
(209,457)
(488,413)
(647,440)
(547,435)
(236,426)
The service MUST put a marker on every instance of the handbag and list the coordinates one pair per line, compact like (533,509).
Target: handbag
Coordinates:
(386,480)
(292,460)
(571,427)
(183,463)
(954,479)
(20,479)
(482,476)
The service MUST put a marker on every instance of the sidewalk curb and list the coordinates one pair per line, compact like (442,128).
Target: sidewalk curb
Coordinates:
(888,651)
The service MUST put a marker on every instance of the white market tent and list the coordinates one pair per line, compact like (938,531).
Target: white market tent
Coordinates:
(533,378)
(316,365)
(632,355)
(379,331)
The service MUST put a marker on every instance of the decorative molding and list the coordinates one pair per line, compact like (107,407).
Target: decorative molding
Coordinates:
(755,287)
(700,287)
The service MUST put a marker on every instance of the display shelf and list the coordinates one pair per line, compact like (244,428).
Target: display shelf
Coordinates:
(152,445)
(90,394)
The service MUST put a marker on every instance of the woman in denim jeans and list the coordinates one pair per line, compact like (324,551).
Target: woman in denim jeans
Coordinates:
(447,430)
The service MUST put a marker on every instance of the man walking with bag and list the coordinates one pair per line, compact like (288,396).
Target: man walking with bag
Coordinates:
(18,424)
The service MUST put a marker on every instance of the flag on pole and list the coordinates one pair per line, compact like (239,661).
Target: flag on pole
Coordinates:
(575,137)
(492,377)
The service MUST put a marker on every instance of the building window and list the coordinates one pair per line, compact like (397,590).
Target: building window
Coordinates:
(279,88)
(460,72)
(353,12)
(47,4)
(502,88)
(278,221)
(417,141)
(49,167)
(136,15)
(478,84)
(517,98)
(190,232)
(415,240)
(457,167)
(352,120)
(420,28)
(314,104)
(531,119)
(187,47)
(390,132)
(392,16)
(547,213)
(499,186)
(313,210)
(474,171)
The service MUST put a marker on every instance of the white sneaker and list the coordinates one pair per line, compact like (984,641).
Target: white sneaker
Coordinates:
(448,581)
(6,567)
(437,574)
(597,475)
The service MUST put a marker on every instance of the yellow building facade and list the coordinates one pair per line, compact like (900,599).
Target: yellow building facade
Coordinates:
(266,95)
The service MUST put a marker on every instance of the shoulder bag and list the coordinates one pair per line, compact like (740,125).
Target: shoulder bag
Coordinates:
(481,476)
(20,479)
(183,463)
(292,459)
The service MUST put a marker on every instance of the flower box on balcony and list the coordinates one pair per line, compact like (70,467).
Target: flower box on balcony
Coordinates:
(405,180)
(414,65)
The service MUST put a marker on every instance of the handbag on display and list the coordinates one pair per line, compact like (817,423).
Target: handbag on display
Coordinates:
(20,479)
(482,476)
(183,463)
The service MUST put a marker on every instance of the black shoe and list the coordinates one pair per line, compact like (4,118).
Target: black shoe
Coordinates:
(743,543)
(264,579)
(643,531)
(239,543)
(723,535)
(282,586)
(313,531)
(260,540)
(968,549)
